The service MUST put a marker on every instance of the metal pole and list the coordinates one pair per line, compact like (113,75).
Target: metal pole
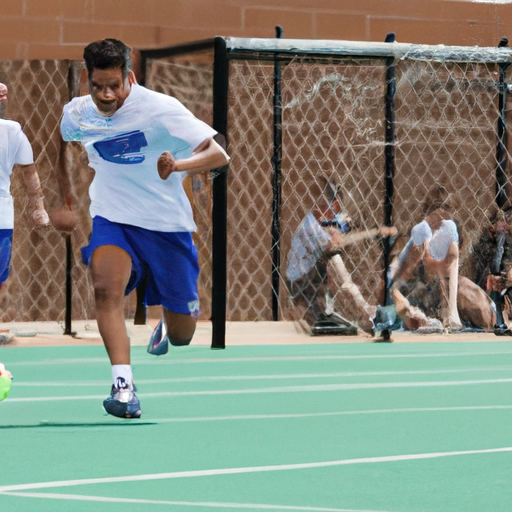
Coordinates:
(140,316)
(276,185)
(500,328)
(501,149)
(389,167)
(74,70)
(69,286)
(219,208)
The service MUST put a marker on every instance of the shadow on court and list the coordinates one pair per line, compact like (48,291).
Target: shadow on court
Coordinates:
(79,425)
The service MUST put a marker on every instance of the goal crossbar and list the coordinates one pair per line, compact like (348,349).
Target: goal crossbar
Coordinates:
(269,48)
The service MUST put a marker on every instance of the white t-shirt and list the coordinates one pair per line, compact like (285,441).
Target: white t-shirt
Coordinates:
(440,240)
(124,149)
(14,149)
(308,245)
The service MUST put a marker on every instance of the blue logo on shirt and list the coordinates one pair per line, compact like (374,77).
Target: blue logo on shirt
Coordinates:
(123,149)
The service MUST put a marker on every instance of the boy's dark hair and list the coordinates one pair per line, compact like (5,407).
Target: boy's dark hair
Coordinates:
(107,54)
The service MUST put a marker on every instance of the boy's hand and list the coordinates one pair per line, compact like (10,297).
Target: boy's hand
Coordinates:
(64,219)
(166,165)
(40,219)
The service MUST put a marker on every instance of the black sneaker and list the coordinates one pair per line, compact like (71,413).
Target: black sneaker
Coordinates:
(122,401)
(333,324)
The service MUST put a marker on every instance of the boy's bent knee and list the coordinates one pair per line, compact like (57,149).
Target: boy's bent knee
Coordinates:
(179,343)
(105,295)
(180,328)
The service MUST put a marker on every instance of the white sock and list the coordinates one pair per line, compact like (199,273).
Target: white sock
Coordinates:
(329,304)
(123,371)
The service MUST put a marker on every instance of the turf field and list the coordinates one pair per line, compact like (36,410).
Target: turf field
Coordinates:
(399,427)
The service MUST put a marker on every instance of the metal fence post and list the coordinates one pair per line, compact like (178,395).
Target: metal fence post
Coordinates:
(219,208)
(501,148)
(73,91)
(276,184)
(389,167)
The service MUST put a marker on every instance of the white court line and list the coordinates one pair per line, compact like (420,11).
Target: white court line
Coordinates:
(220,378)
(283,389)
(332,413)
(245,470)
(319,357)
(252,506)
(169,361)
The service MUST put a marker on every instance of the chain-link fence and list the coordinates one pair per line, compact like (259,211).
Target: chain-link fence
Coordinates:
(325,132)
(36,288)
(332,131)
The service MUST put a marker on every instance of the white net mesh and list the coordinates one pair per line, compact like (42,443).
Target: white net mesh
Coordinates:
(249,190)
(333,132)
(446,119)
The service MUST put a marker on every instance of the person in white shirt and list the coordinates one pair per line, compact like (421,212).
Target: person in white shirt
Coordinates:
(141,145)
(435,242)
(16,149)
(320,241)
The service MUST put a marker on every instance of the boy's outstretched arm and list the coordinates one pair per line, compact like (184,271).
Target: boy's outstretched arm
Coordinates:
(207,156)
(32,183)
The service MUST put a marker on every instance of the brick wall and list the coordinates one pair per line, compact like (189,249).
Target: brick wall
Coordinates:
(59,29)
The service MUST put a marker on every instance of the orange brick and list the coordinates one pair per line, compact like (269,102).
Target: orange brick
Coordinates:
(431,9)
(28,26)
(45,9)
(50,52)
(361,7)
(451,10)
(139,36)
(9,51)
(28,30)
(296,24)
(75,32)
(12,8)
(217,15)
(504,21)
(77,10)
(460,33)
(480,34)
(311,5)
(12,30)
(441,10)
(350,27)
(120,11)
(37,32)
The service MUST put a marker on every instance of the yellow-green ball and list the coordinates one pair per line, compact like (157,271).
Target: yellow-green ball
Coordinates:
(5,387)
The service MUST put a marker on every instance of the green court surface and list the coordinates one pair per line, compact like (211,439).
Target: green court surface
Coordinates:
(397,427)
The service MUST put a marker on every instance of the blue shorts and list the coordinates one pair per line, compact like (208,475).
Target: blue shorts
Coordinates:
(5,253)
(168,261)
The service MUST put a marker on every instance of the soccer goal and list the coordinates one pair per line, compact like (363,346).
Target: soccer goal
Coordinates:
(377,133)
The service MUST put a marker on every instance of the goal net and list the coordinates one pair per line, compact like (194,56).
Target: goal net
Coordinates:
(383,133)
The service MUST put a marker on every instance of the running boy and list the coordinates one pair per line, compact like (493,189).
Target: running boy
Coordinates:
(141,144)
